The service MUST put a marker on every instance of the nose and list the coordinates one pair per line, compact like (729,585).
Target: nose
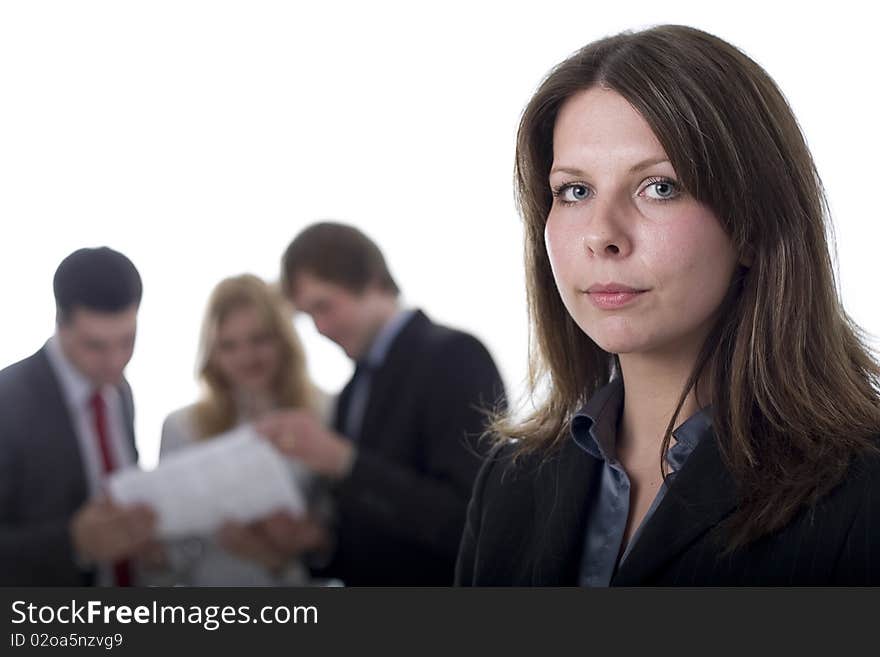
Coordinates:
(321,325)
(325,326)
(606,232)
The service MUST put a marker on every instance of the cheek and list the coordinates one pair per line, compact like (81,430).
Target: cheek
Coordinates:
(269,354)
(564,251)
(225,362)
(692,261)
(125,355)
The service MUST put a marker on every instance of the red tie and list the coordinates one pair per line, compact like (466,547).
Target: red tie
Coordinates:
(121,569)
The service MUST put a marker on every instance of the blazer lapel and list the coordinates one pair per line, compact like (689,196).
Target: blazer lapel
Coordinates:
(387,379)
(563,488)
(341,409)
(128,415)
(381,389)
(65,450)
(702,494)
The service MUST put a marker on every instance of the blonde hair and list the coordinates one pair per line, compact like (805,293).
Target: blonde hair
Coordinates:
(216,411)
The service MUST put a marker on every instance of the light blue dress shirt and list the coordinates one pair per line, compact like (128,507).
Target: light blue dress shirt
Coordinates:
(594,429)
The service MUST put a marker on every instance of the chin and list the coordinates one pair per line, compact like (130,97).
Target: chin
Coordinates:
(656,345)
(617,347)
(617,335)
(250,386)
(618,343)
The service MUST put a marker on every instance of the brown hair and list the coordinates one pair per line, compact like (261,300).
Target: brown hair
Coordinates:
(216,411)
(794,388)
(338,254)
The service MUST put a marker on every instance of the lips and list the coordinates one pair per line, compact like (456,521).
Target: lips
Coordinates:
(610,296)
(612,288)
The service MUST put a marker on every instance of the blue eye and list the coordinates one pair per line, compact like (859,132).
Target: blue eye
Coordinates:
(661,190)
(572,193)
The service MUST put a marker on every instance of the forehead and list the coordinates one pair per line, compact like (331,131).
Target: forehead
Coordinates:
(599,126)
(308,289)
(245,315)
(103,324)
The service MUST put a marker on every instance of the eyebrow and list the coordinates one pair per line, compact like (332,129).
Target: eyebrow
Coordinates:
(644,164)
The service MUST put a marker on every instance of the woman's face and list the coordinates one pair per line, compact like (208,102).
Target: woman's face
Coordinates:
(640,265)
(245,352)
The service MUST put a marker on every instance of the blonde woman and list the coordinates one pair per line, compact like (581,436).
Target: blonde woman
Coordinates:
(250,362)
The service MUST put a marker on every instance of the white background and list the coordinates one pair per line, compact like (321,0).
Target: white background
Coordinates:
(200,137)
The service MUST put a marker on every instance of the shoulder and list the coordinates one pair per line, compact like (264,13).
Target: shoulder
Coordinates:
(507,472)
(178,429)
(862,482)
(854,507)
(27,404)
(181,416)
(23,388)
(444,342)
(514,478)
(21,374)
(503,507)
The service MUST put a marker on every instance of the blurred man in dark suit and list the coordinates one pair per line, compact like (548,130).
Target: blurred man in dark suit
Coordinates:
(66,422)
(403,451)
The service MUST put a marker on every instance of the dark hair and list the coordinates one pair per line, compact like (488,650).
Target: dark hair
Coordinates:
(98,279)
(338,254)
(794,387)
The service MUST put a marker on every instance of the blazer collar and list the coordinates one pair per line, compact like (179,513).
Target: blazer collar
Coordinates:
(700,496)
(58,421)
(381,385)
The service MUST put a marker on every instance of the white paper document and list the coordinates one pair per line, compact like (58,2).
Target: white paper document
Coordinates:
(234,476)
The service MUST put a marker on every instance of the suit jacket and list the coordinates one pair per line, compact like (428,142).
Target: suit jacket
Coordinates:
(527,523)
(42,478)
(401,511)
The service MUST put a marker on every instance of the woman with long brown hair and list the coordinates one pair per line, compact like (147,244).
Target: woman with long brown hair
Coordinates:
(710,413)
(250,362)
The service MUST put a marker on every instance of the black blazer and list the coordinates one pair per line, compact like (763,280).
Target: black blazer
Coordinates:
(401,511)
(42,479)
(526,527)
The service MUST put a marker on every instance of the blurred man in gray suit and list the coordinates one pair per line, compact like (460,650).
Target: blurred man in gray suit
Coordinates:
(66,422)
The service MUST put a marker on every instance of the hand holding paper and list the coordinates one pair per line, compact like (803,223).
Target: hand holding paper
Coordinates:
(299,434)
(235,476)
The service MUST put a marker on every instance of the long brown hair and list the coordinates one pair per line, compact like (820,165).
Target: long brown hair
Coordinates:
(216,411)
(794,388)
